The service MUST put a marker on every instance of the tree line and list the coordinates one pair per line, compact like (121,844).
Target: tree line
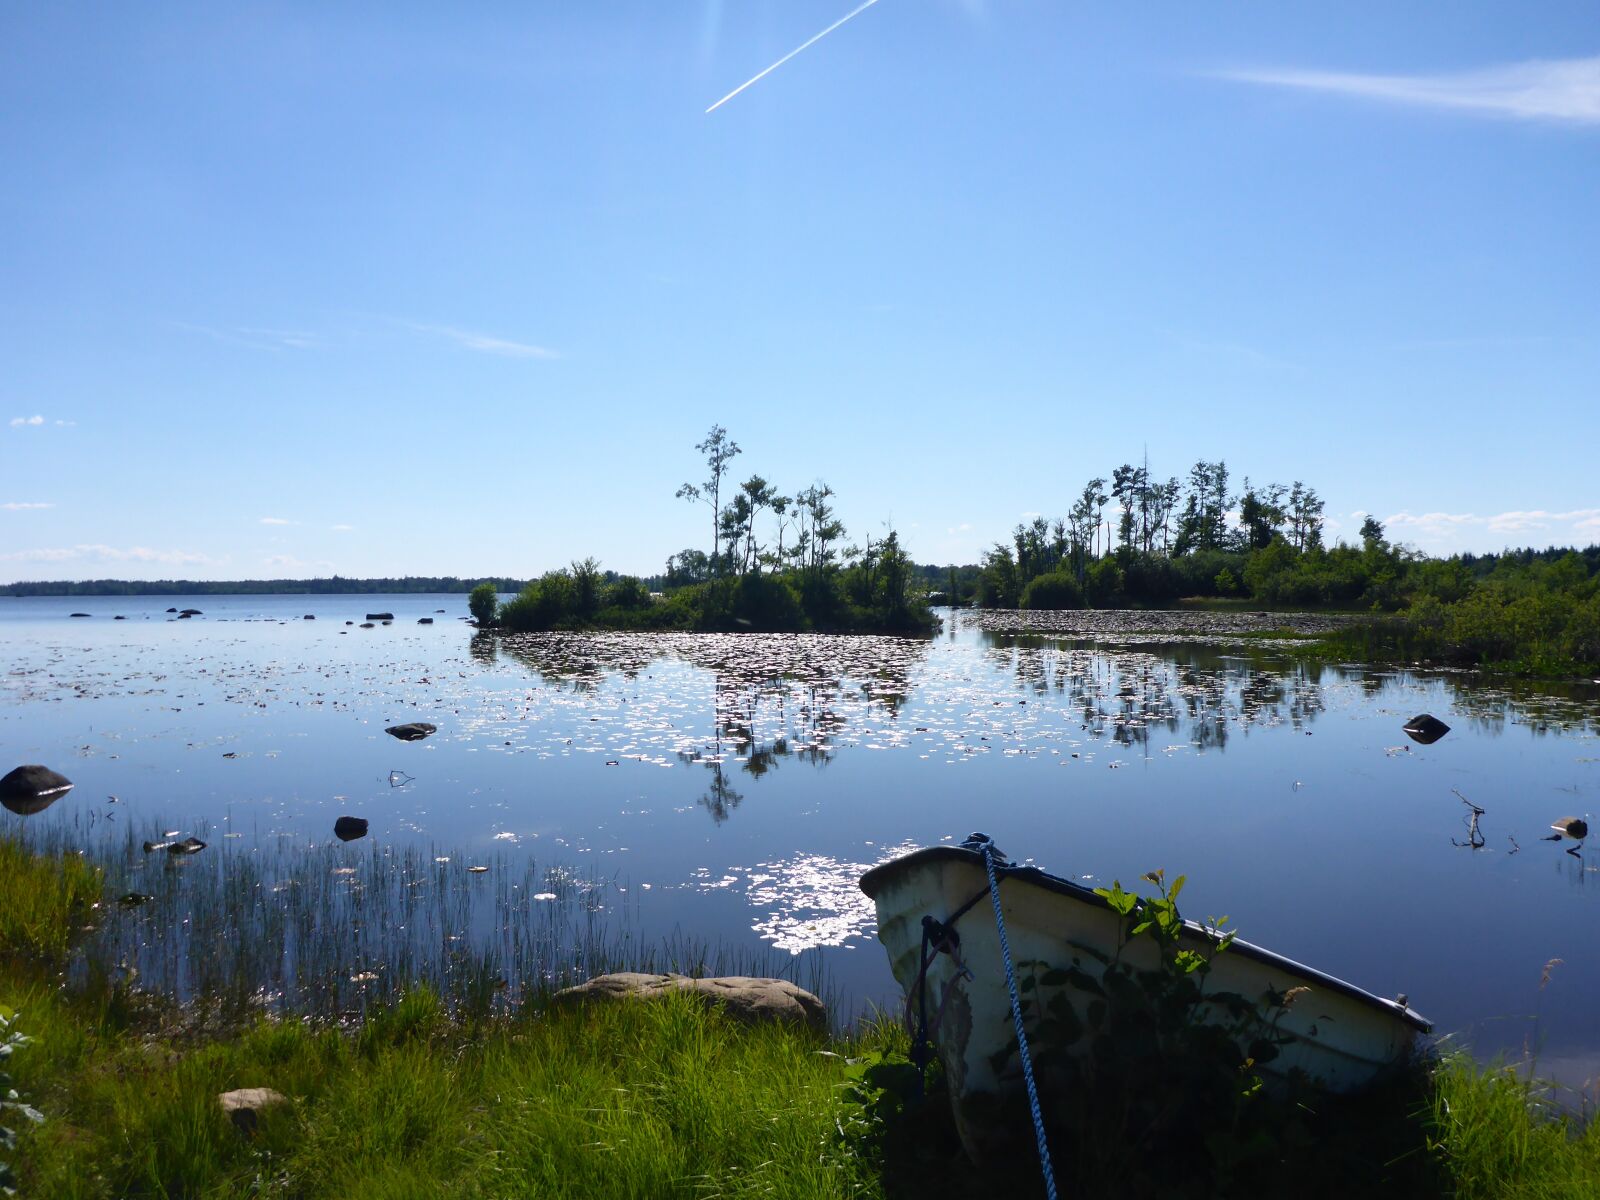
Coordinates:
(331,586)
(777,561)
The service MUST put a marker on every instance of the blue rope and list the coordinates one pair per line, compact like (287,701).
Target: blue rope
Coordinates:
(987,850)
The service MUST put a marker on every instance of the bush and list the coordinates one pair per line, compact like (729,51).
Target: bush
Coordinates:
(1058,589)
(483,603)
(1102,583)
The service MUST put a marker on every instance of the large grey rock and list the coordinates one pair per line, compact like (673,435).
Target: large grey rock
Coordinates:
(747,997)
(244,1106)
(31,789)
(1426,729)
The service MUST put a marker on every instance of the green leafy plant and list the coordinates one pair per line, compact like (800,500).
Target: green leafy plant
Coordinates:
(11,1104)
(1139,1054)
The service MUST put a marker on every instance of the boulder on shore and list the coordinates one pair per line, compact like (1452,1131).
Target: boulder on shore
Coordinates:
(743,996)
(244,1106)
(32,789)
(411,731)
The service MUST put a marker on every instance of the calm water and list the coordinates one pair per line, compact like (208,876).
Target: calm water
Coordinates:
(732,788)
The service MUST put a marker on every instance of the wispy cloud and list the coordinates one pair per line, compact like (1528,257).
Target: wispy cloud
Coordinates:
(485,343)
(103,553)
(342,528)
(23,505)
(805,45)
(36,419)
(288,562)
(275,521)
(1549,89)
(253,337)
(1517,521)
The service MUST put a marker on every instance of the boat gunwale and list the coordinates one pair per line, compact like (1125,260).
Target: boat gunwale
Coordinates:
(874,879)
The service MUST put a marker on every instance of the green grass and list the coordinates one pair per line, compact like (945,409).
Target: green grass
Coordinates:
(666,1098)
(649,1099)
(44,901)
(1499,1135)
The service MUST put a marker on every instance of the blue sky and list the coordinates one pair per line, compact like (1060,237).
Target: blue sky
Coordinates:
(390,289)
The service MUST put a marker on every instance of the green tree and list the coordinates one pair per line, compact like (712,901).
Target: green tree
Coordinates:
(483,603)
(719,449)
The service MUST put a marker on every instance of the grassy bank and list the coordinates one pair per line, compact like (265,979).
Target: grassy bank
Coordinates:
(637,1100)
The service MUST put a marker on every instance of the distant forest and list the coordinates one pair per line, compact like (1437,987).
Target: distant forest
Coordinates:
(332,586)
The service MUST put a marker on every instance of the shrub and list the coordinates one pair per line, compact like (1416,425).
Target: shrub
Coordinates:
(1058,589)
(483,603)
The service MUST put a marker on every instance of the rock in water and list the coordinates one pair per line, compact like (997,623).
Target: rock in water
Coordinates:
(412,731)
(190,612)
(1426,729)
(189,845)
(244,1106)
(380,616)
(348,829)
(32,789)
(424,620)
(742,996)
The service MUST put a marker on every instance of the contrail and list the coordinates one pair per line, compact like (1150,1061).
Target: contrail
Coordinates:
(855,12)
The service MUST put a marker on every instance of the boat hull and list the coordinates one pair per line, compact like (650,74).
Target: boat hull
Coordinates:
(1336,1035)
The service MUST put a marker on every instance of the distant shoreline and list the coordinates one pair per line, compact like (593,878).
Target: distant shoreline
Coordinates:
(333,586)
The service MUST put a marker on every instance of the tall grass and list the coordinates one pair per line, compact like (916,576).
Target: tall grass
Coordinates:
(665,1098)
(44,901)
(330,931)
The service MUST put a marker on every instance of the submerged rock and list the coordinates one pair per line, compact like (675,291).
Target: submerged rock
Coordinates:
(189,845)
(424,620)
(31,789)
(746,997)
(172,610)
(1426,729)
(380,616)
(411,731)
(348,829)
(190,612)
(78,614)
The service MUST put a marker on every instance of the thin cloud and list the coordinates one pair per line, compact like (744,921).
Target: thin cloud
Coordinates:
(288,562)
(1513,522)
(342,528)
(484,343)
(275,521)
(104,553)
(23,505)
(1565,90)
(806,45)
(253,338)
(36,419)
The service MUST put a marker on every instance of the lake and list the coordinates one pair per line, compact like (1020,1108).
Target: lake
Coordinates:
(727,790)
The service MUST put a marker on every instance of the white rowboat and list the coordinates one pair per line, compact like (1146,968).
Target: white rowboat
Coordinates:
(1341,1037)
